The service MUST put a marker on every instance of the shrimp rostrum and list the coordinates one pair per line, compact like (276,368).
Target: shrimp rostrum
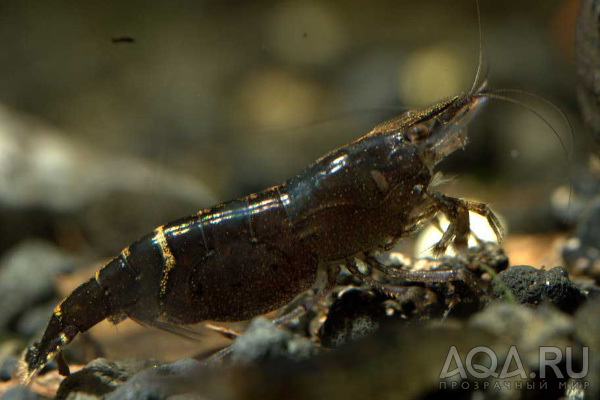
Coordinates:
(257,253)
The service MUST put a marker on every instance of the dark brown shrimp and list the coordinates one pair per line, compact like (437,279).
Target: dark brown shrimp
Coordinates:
(255,254)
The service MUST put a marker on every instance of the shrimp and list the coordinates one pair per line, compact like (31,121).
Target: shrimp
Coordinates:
(255,254)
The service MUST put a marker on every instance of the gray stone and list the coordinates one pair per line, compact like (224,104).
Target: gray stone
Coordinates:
(27,275)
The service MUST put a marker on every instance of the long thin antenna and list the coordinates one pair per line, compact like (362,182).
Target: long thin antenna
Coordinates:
(551,105)
(480,61)
(541,117)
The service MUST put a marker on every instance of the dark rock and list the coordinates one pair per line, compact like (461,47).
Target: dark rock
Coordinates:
(533,286)
(355,314)
(19,393)
(26,278)
(487,255)
(561,292)
(526,283)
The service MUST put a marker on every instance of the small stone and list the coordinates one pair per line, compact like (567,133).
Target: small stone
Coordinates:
(263,340)
(19,393)
(355,314)
(161,382)
(7,366)
(533,286)
(526,283)
(489,255)
(26,278)
(99,378)
(561,292)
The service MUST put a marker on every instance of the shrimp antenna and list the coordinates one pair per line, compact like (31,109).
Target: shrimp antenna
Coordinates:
(475,87)
(549,104)
(493,95)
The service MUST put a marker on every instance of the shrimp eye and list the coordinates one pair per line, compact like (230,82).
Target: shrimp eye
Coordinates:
(417,133)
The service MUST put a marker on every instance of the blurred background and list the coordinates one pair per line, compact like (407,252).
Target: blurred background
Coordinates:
(116,117)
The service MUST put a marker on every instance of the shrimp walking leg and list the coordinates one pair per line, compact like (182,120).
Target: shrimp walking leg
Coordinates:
(458,231)
(319,292)
(407,277)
